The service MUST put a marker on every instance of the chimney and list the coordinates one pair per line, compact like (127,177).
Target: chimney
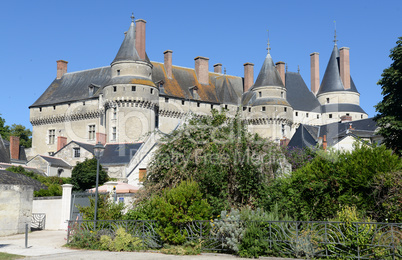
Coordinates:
(248,75)
(101,138)
(346,119)
(168,63)
(344,66)
(14,147)
(324,142)
(218,68)
(201,70)
(61,142)
(140,37)
(61,68)
(280,66)
(315,72)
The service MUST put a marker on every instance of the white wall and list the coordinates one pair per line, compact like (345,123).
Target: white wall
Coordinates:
(51,206)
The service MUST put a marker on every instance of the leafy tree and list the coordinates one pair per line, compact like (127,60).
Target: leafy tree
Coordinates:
(23,133)
(231,165)
(4,129)
(389,116)
(83,176)
(107,209)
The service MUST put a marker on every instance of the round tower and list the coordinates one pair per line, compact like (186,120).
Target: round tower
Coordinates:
(131,97)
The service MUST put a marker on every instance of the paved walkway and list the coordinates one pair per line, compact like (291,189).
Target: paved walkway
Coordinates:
(49,245)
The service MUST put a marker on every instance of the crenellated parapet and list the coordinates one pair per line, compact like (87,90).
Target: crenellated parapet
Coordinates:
(46,120)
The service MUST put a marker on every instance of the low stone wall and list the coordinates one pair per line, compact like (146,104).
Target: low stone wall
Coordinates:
(15,208)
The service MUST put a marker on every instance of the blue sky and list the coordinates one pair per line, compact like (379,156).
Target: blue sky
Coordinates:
(88,34)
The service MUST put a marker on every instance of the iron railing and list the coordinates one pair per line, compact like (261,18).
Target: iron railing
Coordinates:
(308,239)
(38,221)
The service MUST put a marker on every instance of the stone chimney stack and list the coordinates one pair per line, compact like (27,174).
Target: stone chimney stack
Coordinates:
(61,142)
(140,37)
(344,66)
(315,72)
(218,68)
(168,63)
(324,142)
(248,76)
(61,68)
(201,70)
(280,67)
(346,119)
(14,147)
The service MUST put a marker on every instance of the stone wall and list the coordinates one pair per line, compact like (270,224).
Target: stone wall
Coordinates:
(15,208)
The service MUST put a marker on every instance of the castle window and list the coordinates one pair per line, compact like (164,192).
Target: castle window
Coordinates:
(52,135)
(249,109)
(263,109)
(76,152)
(83,103)
(54,107)
(114,88)
(60,172)
(132,88)
(260,94)
(244,108)
(296,113)
(318,116)
(282,94)
(361,116)
(142,174)
(198,104)
(306,114)
(347,114)
(91,132)
(327,100)
(226,106)
(40,109)
(114,133)
(118,72)
(283,130)
(330,115)
(152,91)
(212,106)
(285,109)
(114,113)
(166,100)
(182,102)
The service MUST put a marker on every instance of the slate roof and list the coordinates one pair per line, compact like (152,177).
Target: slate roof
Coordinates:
(269,75)
(55,162)
(298,94)
(119,153)
(12,178)
(127,51)
(327,108)
(304,135)
(4,152)
(332,80)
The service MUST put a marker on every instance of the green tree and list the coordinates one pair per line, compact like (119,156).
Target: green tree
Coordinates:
(389,117)
(231,165)
(23,133)
(4,129)
(83,176)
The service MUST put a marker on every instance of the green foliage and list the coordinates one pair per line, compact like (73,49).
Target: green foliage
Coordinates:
(4,129)
(107,209)
(54,183)
(121,242)
(84,239)
(232,166)
(299,157)
(172,208)
(254,243)
(83,176)
(316,191)
(229,229)
(389,117)
(21,131)
(189,248)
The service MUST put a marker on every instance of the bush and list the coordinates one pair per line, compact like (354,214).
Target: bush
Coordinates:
(229,229)
(174,208)
(83,176)
(107,209)
(121,242)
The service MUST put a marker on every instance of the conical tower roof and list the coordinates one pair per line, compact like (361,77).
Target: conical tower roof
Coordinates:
(332,79)
(127,51)
(269,75)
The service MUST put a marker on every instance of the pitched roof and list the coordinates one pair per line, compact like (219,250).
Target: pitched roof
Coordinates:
(7,177)
(54,161)
(328,108)
(298,94)
(128,51)
(119,153)
(269,75)
(332,80)
(4,152)
(302,138)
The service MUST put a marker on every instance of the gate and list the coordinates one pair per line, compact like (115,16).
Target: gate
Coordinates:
(80,199)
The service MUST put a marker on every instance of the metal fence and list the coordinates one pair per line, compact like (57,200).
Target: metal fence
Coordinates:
(308,239)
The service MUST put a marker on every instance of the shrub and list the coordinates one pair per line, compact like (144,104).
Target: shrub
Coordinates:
(121,242)
(107,209)
(229,229)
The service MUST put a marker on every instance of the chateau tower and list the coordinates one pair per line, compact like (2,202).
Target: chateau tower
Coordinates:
(265,104)
(130,97)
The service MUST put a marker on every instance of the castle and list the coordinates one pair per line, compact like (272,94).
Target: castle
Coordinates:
(132,97)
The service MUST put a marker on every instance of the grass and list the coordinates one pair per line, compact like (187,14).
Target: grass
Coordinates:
(6,256)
